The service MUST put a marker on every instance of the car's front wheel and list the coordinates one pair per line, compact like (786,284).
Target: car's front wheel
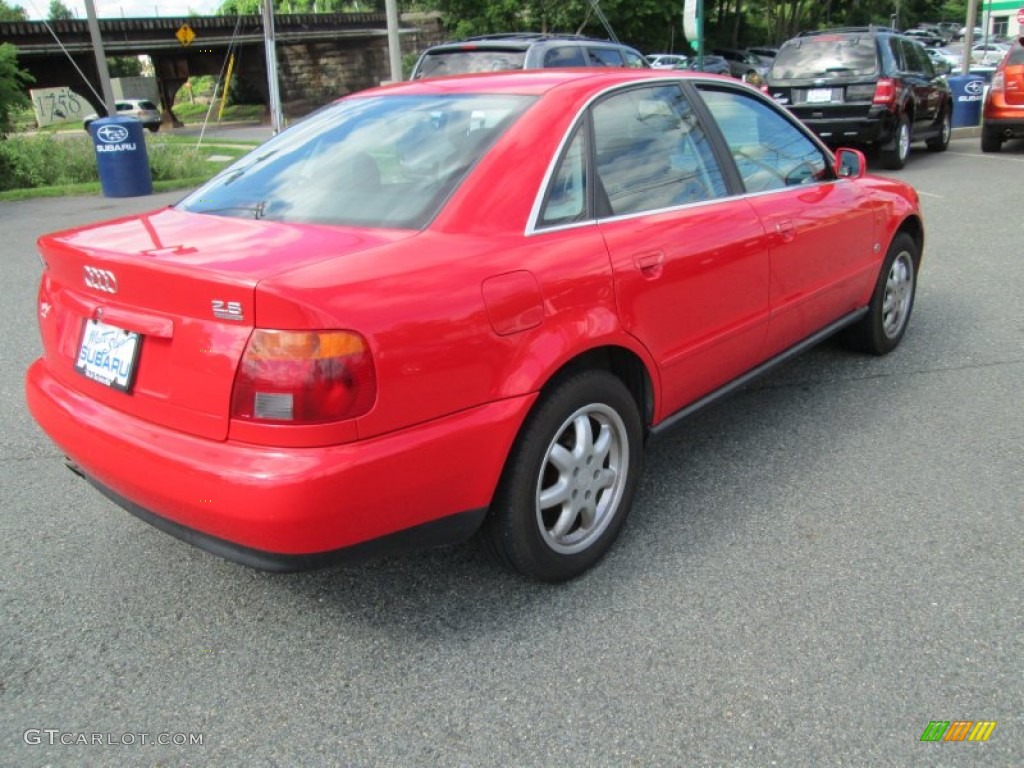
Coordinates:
(882,328)
(895,156)
(569,481)
(154,127)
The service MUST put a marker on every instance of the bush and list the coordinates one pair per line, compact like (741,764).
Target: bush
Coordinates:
(27,162)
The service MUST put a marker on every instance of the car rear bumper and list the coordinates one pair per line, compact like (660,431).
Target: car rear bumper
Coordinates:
(1008,126)
(852,130)
(287,508)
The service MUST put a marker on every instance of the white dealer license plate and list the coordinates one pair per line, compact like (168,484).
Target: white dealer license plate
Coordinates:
(819,95)
(107,354)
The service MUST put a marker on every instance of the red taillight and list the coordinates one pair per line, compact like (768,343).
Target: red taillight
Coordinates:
(998,82)
(304,377)
(885,92)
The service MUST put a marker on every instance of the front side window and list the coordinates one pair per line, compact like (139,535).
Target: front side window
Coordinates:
(651,152)
(770,152)
(380,161)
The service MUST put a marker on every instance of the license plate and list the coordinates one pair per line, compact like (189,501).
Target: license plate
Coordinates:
(819,95)
(107,354)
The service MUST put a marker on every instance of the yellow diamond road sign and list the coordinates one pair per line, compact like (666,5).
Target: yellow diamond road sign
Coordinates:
(185,34)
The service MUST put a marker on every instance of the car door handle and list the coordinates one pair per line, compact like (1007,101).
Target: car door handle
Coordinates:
(650,264)
(786,231)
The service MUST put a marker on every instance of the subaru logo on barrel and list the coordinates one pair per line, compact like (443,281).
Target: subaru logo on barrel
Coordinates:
(974,87)
(111,134)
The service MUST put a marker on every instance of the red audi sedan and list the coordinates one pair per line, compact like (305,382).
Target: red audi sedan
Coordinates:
(458,306)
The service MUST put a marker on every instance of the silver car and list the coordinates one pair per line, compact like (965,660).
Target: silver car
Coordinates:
(143,109)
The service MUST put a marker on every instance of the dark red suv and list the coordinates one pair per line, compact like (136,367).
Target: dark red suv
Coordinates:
(1004,105)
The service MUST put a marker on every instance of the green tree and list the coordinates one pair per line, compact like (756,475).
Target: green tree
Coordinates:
(124,66)
(59,12)
(13,82)
(10,12)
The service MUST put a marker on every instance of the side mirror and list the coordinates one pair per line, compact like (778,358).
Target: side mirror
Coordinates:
(850,163)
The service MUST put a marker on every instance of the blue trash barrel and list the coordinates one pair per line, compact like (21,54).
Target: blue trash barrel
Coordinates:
(121,156)
(968,92)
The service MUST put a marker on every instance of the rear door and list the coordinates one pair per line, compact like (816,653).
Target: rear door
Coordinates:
(1013,76)
(690,262)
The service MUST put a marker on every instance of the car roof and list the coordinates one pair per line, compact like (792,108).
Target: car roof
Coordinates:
(518,41)
(529,82)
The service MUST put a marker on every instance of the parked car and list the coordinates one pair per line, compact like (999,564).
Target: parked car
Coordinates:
(943,62)
(865,85)
(715,65)
(765,52)
(458,305)
(142,109)
(988,53)
(742,63)
(666,60)
(492,53)
(925,36)
(1003,112)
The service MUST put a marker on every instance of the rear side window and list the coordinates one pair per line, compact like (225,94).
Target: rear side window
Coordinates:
(652,152)
(147,105)
(1016,56)
(605,57)
(826,56)
(565,56)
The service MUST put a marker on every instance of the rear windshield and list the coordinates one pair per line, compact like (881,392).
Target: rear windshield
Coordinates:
(825,57)
(442,63)
(367,162)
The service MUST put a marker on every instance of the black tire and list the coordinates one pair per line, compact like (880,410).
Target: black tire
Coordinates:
(941,142)
(881,329)
(991,141)
(86,125)
(154,127)
(580,450)
(895,157)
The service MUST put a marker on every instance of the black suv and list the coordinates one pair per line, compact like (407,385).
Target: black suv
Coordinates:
(864,85)
(491,53)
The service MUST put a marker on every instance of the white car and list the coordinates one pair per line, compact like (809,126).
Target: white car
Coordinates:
(143,109)
(667,60)
(988,53)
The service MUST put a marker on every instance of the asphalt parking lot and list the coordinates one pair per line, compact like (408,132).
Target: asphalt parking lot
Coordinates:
(813,572)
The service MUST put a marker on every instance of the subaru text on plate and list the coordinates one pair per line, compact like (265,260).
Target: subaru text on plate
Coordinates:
(458,305)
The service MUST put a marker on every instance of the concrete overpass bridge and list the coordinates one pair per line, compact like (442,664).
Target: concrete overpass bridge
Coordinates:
(320,56)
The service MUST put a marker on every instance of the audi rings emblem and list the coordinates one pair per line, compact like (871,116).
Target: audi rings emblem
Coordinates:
(112,134)
(100,279)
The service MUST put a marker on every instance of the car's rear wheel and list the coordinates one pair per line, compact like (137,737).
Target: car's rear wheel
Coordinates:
(569,481)
(895,156)
(154,127)
(882,328)
(941,142)
(991,141)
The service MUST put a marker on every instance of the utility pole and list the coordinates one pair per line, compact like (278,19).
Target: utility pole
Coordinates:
(972,12)
(394,45)
(101,59)
(273,92)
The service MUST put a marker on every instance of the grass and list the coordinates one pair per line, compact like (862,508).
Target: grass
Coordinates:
(49,166)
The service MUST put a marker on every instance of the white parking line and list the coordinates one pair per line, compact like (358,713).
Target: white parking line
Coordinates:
(991,156)
(930,194)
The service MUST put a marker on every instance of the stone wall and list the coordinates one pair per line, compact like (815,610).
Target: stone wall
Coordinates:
(315,73)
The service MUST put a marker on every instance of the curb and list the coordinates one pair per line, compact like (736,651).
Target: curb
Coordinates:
(968,132)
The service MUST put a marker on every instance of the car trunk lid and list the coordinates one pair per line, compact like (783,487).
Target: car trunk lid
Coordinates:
(185,284)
